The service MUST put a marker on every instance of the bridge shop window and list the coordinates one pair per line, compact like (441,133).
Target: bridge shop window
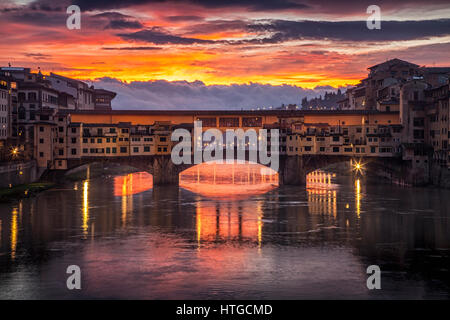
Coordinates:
(229,122)
(252,122)
(208,122)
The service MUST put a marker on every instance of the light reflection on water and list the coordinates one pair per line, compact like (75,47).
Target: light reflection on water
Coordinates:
(213,239)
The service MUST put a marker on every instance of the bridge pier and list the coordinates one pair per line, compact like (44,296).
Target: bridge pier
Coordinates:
(291,171)
(164,171)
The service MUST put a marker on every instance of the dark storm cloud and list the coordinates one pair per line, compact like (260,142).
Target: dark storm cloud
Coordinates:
(123,24)
(159,36)
(37,18)
(283,30)
(183,18)
(37,56)
(256,5)
(117,20)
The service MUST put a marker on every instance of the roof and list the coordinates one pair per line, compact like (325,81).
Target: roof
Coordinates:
(279,113)
(103,91)
(393,62)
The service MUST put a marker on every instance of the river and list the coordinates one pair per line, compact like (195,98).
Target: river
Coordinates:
(210,239)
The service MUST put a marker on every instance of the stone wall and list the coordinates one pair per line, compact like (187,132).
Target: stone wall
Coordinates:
(440,176)
(18,173)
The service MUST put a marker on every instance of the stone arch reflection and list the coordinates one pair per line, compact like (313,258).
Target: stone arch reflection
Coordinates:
(229,180)
(322,193)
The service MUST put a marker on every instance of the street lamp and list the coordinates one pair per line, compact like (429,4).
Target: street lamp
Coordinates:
(15,152)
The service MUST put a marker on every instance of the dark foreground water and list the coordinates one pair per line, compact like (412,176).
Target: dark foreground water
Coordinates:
(168,242)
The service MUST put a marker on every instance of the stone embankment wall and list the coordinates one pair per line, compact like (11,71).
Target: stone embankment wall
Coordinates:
(12,174)
(440,176)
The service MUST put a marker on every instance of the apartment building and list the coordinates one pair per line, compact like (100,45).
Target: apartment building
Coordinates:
(5,107)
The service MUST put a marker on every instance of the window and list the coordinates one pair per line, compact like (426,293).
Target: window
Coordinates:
(322,149)
(85,140)
(108,140)
(162,139)
(123,149)
(308,148)
(146,149)
(124,130)
(99,131)
(92,140)
(252,122)
(112,130)
(74,140)
(85,150)
(74,130)
(335,149)
(418,134)
(60,129)
(165,149)
(208,122)
(114,150)
(99,140)
(135,149)
(373,149)
(229,122)
(61,140)
(92,150)
(335,138)
(61,152)
(108,150)
(73,151)
(41,129)
(41,140)
(41,154)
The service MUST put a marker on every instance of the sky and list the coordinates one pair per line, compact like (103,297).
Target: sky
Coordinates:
(215,53)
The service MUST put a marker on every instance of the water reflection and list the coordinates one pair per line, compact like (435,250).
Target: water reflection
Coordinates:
(85,218)
(233,181)
(168,242)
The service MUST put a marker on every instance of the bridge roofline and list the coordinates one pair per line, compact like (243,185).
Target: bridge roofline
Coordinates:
(279,113)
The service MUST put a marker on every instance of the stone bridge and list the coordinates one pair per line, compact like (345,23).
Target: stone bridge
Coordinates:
(292,169)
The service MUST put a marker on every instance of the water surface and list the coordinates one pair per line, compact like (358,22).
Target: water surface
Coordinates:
(132,240)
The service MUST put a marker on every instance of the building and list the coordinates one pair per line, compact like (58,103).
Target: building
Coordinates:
(103,98)
(82,93)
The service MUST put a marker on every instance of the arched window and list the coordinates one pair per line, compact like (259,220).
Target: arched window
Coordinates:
(22,113)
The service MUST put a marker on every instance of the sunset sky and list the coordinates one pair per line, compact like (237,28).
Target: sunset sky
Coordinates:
(301,45)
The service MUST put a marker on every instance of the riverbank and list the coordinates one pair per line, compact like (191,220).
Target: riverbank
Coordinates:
(23,190)
(97,170)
